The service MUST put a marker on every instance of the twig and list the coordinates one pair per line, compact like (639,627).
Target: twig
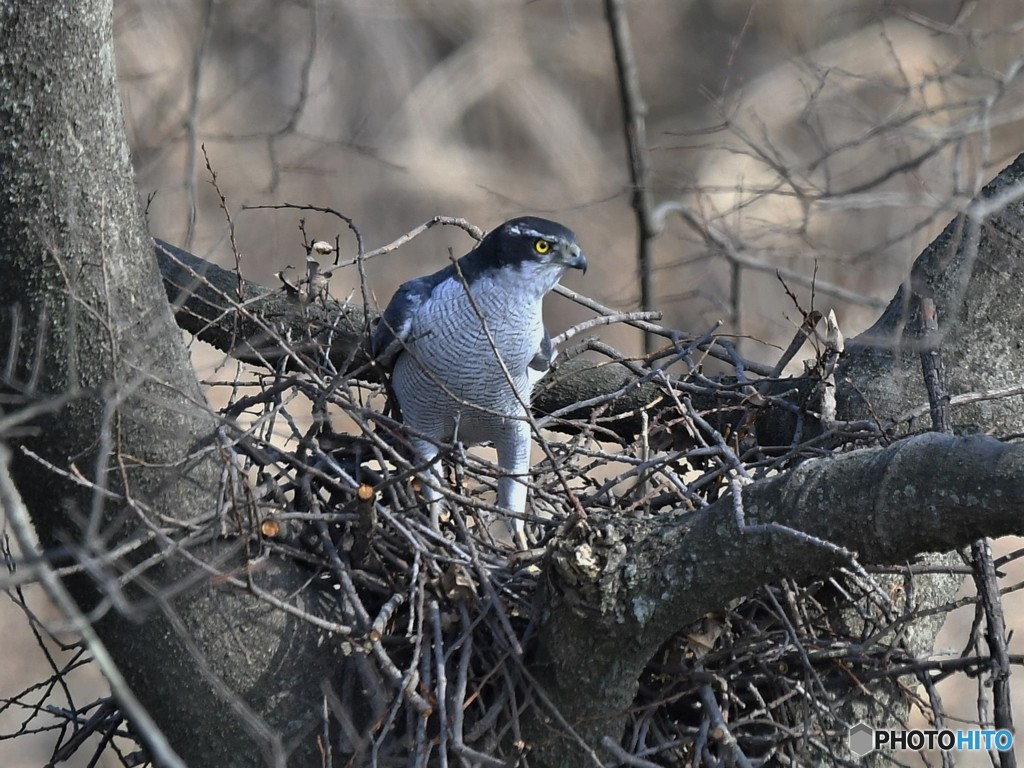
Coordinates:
(735,256)
(21,527)
(622,755)
(634,112)
(966,398)
(981,553)
(720,730)
(192,120)
(594,322)
(932,367)
(441,685)
(717,348)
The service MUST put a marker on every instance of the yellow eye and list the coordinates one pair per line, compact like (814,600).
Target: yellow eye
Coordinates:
(541,246)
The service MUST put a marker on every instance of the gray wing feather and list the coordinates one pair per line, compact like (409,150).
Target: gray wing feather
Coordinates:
(396,322)
(542,359)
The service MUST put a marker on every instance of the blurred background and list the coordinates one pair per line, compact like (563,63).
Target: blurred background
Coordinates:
(835,135)
(831,139)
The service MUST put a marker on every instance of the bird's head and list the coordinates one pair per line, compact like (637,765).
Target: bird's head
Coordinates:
(531,245)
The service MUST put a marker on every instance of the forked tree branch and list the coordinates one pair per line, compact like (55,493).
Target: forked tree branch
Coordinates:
(229,675)
(645,579)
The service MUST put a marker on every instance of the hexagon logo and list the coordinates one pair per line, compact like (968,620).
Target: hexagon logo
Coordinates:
(862,739)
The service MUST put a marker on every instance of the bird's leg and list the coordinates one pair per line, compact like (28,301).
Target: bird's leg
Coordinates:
(513,446)
(431,479)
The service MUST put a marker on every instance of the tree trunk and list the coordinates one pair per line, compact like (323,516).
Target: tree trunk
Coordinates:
(96,351)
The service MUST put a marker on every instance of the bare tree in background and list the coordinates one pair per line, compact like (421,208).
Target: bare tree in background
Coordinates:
(724,570)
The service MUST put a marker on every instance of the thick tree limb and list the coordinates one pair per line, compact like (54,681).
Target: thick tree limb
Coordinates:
(647,578)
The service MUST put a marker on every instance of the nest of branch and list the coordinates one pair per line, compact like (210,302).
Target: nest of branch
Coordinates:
(441,619)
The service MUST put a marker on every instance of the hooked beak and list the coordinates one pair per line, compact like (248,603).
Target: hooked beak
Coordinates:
(573,258)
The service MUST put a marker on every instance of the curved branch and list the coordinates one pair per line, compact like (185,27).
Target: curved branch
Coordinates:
(928,493)
(970,273)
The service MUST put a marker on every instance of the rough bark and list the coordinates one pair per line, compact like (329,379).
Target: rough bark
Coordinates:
(93,344)
(973,272)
